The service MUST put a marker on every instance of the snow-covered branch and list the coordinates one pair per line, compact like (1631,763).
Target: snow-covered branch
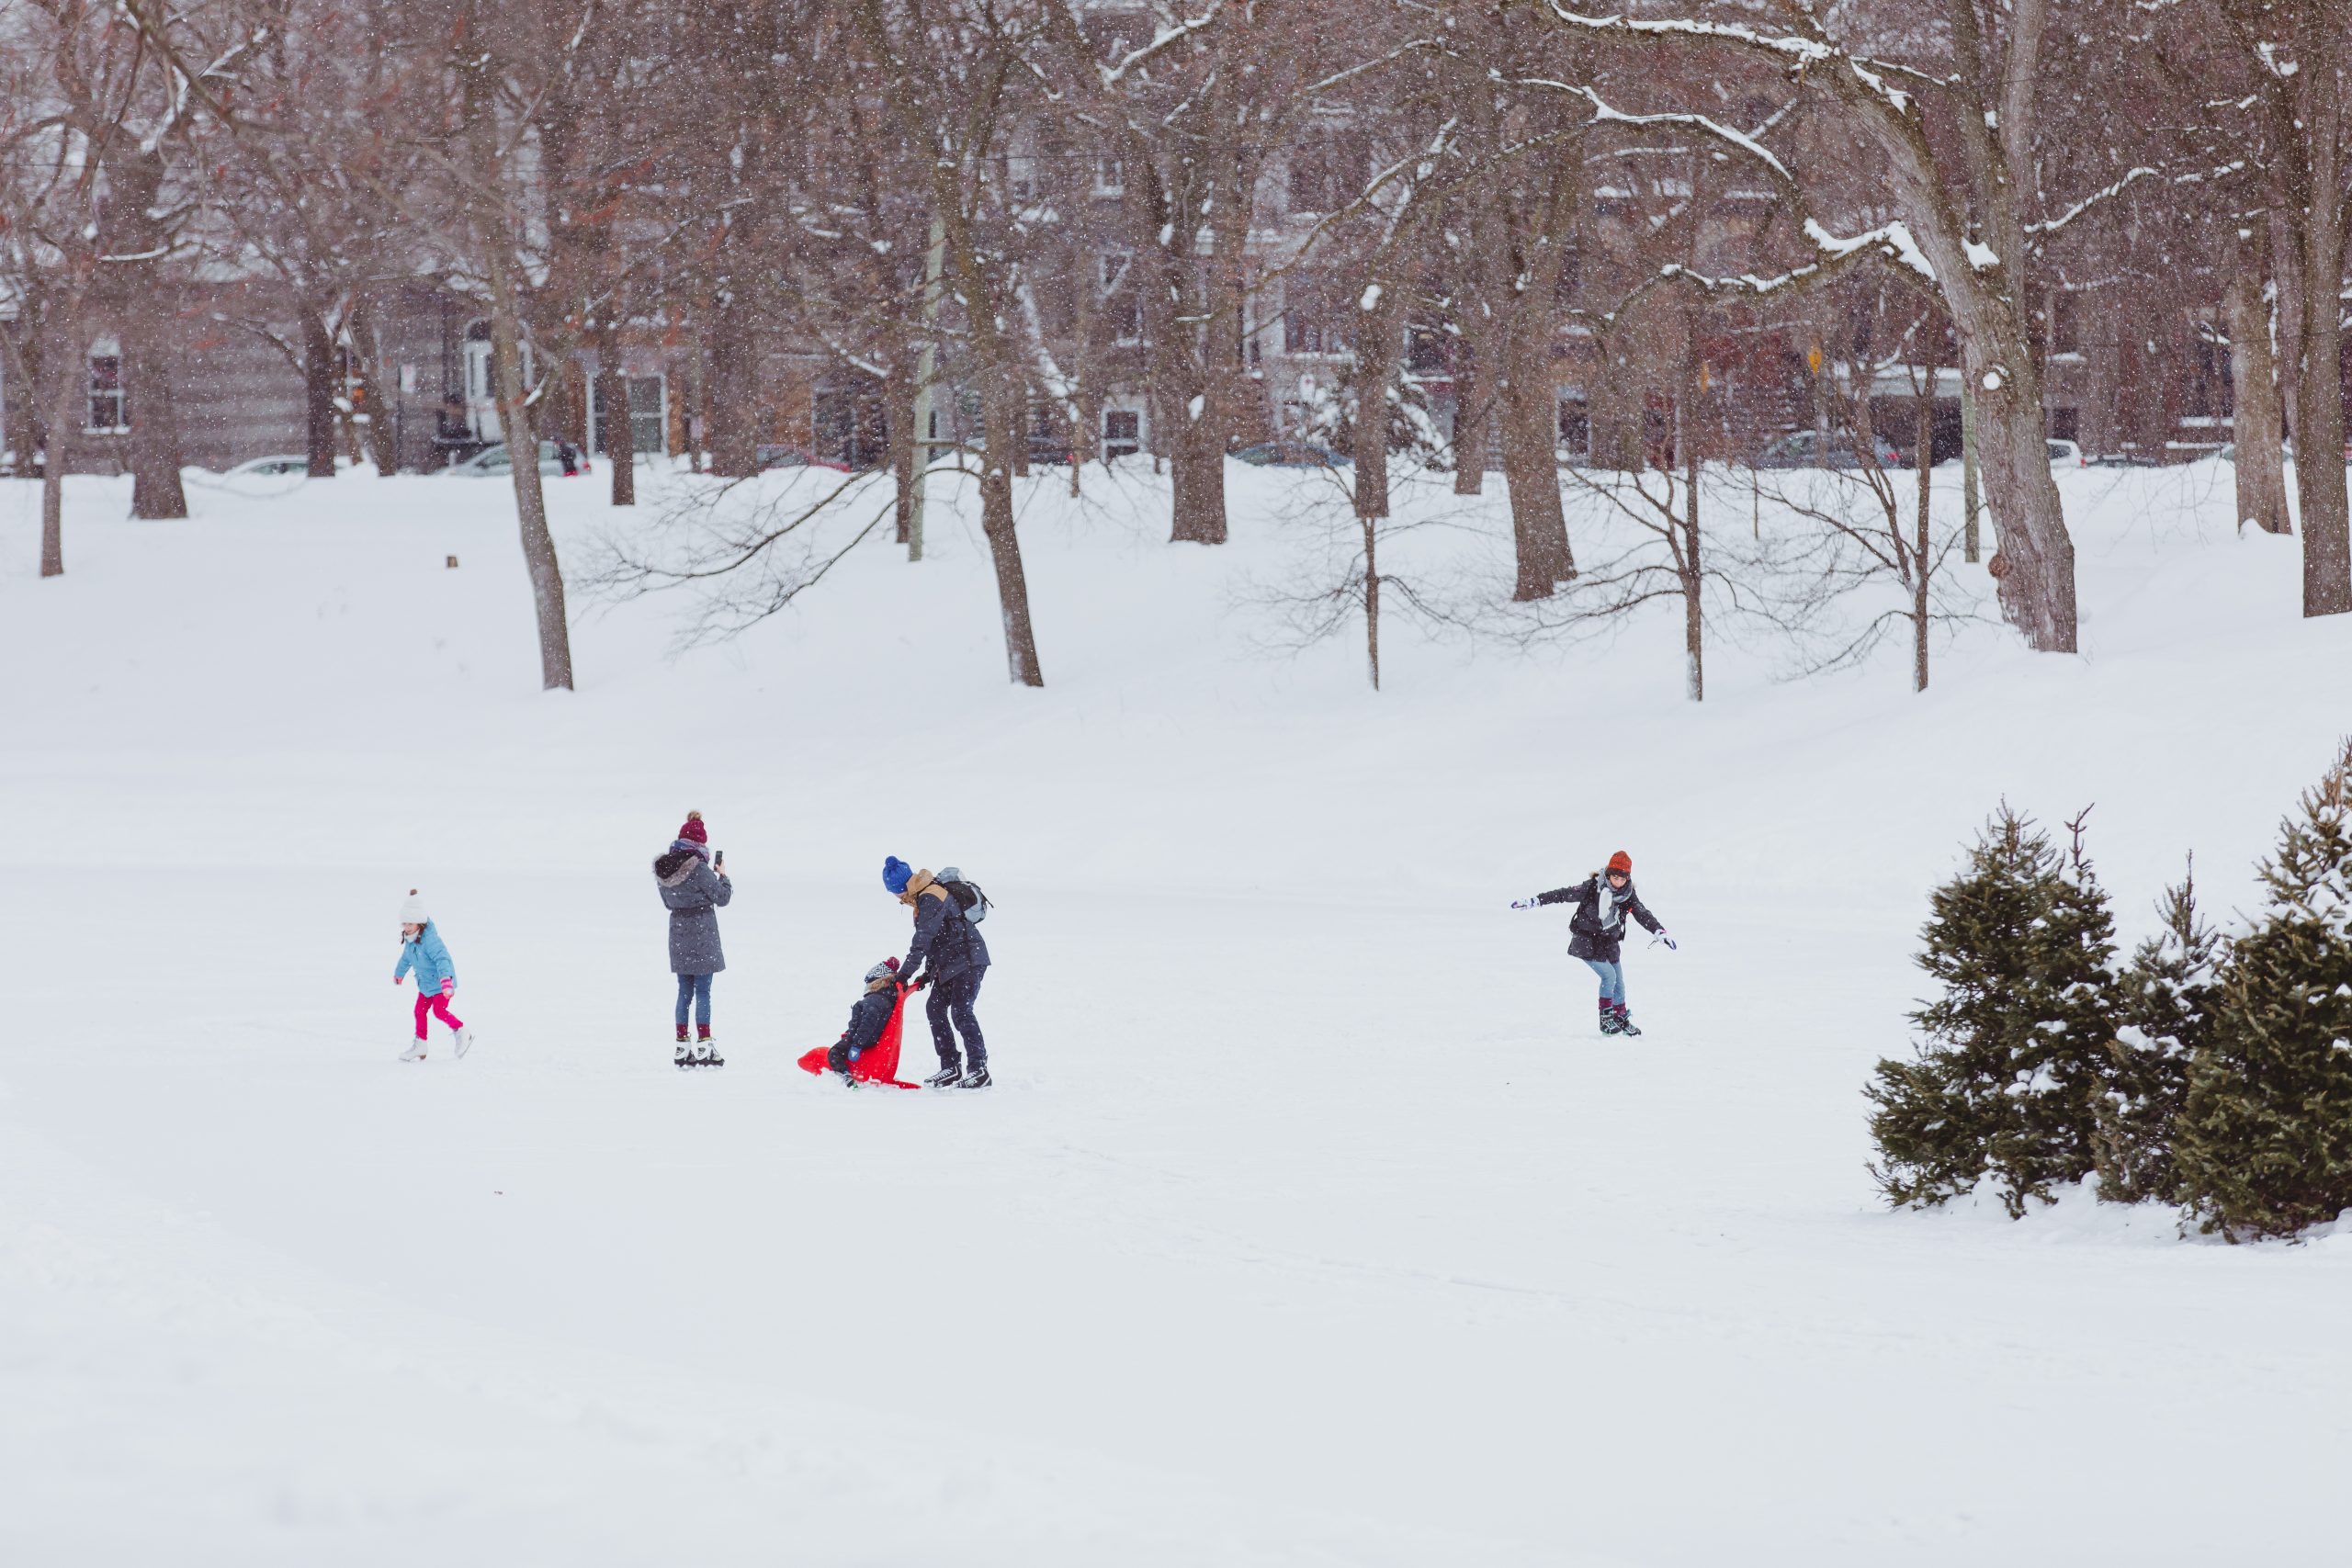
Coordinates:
(1167,38)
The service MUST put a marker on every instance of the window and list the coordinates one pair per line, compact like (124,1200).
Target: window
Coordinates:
(847,425)
(647,426)
(1425,350)
(1121,304)
(1121,432)
(1110,175)
(109,410)
(1325,172)
(1576,425)
(481,401)
(1305,318)
(2065,323)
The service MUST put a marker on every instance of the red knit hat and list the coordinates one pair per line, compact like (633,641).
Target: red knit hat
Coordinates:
(1623,861)
(693,831)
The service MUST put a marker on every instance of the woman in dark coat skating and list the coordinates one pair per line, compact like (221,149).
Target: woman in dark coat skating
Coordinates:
(1598,931)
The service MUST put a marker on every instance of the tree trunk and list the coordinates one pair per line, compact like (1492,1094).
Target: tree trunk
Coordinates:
(2037,578)
(612,398)
(155,492)
(906,459)
(383,435)
(2319,433)
(1924,432)
(734,428)
(66,416)
(21,435)
(620,432)
(318,393)
(492,239)
(1971,506)
(996,525)
(1532,471)
(1694,581)
(1694,624)
(1473,426)
(2257,427)
(517,423)
(1377,358)
(1196,468)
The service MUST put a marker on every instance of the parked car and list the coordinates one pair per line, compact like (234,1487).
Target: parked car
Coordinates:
(492,462)
(2229,453)
(2124,459)
(1291,455)
(1802,449)
(2065,454)
(272,468)
(778,457)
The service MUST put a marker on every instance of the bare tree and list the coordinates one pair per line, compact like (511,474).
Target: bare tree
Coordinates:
(949,73)
(1948,115)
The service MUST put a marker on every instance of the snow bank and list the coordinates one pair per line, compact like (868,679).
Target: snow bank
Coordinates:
(1310,1222)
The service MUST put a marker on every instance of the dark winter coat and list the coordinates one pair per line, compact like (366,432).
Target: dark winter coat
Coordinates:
(694,893)
(1597,928)
(952,943)
(869,1017)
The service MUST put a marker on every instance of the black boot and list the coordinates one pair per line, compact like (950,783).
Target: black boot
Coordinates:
(1610,1022)
(976,1079)
(1624,1023)
(949,1075)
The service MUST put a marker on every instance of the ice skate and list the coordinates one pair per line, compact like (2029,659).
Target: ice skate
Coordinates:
(415,1051)
(684,1057)
(948,1077)
(465,1040)
(976,1079)
(1625,1025)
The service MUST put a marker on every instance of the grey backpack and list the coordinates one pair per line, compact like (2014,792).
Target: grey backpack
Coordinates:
(967,894)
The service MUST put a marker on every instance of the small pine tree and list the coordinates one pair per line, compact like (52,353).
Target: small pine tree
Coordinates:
(2006,1078)
(2264,1143)
(2166,996)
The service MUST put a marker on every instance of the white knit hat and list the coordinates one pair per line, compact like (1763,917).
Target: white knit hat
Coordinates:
(413,909)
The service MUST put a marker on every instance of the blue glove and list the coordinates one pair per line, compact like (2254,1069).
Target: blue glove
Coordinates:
(1667,940)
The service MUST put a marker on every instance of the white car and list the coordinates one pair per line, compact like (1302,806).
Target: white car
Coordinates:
(492,463)
(272,468)
(2065,454)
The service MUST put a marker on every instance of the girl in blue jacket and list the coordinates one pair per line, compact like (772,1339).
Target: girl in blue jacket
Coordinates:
(436,978)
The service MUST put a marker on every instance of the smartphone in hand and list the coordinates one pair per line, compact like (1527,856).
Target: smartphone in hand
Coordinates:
(718,860)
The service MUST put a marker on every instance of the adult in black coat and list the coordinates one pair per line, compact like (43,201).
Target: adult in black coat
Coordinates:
(1596,932)
(958,957)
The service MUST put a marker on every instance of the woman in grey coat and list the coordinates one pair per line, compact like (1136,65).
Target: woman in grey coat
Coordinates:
(693,888)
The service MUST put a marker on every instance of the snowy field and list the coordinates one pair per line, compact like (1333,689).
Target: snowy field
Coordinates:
(1310,1222)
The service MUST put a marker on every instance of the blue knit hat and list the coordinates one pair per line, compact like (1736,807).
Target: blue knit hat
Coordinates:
(896,873)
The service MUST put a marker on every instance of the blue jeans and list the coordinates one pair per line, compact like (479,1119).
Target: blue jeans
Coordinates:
(1612,981)
(694,990)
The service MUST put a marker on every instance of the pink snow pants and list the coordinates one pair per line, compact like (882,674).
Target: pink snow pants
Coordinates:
(438,1005)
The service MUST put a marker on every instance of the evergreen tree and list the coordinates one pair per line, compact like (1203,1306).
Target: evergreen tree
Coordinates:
(2014,1053)
(2166,1001)
(2264,1143)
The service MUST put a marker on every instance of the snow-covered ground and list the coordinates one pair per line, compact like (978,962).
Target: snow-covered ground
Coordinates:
(1310,1221)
